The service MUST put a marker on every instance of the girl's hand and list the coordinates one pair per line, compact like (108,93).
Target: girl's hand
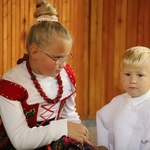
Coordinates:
(78,132)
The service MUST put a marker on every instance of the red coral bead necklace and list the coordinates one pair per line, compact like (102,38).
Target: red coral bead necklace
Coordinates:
(40,90)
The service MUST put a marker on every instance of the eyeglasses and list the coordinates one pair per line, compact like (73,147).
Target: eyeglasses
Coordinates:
(59,61)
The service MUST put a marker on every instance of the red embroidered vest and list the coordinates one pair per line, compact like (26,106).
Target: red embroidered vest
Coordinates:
(19,93)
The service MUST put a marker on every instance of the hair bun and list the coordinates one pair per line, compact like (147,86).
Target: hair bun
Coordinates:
(39,3)
(44,8)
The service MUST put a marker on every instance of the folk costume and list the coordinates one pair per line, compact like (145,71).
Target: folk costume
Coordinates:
(23,107)
(124,123)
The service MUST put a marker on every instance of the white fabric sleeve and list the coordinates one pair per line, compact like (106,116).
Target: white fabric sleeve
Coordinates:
(102,131)
(24,137)
(69,110)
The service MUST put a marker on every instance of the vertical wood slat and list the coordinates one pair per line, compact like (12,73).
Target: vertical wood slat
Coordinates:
(31,19)
(146,23)
(131,25)
(102,30)
(14,37)
(5,32)
(9,29)
(119,47)
(22,26)
(1,38)
(16,30)
(143,22)
(92,64)
(99,100)
(107,46)
(96,86)
(82,56)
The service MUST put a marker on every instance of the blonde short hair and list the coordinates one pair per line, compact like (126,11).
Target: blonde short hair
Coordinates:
(136,55)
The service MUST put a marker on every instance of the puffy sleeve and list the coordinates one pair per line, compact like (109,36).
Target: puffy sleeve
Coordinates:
(104,121)
(102,130)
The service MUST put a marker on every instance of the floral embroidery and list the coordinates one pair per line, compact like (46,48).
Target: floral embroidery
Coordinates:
(30,113)
(4,140)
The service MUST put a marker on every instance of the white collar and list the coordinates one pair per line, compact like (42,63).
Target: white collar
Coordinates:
(136,103)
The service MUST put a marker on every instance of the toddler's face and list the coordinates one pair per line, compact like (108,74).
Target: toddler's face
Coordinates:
(136,79)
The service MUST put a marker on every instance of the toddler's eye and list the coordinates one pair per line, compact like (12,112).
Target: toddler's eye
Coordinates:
(127,74)
(140,75)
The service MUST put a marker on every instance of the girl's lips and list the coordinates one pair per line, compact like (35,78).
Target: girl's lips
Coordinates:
(58,71)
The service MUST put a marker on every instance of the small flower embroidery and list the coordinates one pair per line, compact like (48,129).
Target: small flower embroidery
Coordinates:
(3,138)
(30,113)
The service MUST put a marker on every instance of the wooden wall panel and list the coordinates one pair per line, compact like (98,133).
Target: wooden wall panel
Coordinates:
(15,37)
(131,29)
(102,31)
(1,38)
(96,70)
(119,43)
(5,32)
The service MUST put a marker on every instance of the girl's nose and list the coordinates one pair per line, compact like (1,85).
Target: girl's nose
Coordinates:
(63,64)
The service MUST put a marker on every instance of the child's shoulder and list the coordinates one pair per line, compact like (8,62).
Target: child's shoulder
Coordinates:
(117,99)
(16,71)
(113,104)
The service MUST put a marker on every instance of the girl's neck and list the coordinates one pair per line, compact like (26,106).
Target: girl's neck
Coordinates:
(33,66)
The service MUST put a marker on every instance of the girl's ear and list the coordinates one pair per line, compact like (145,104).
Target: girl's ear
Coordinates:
(34,52)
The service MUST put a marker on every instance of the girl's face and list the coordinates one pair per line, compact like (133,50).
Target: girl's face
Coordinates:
(136,80)
(47,66)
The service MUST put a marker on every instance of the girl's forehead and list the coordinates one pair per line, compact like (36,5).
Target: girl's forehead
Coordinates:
(59,47)
(58,42)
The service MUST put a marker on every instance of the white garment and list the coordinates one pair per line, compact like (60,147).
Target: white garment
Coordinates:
(124,123)
(14,119)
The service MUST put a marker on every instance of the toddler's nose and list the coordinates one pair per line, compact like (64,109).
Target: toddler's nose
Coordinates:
(133,82)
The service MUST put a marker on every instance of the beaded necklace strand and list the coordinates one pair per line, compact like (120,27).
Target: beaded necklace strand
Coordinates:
(40,90)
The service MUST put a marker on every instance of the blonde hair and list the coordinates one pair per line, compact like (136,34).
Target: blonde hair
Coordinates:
(136,55)
(43,32)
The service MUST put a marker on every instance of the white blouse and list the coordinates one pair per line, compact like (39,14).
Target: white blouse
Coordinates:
(124,123)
